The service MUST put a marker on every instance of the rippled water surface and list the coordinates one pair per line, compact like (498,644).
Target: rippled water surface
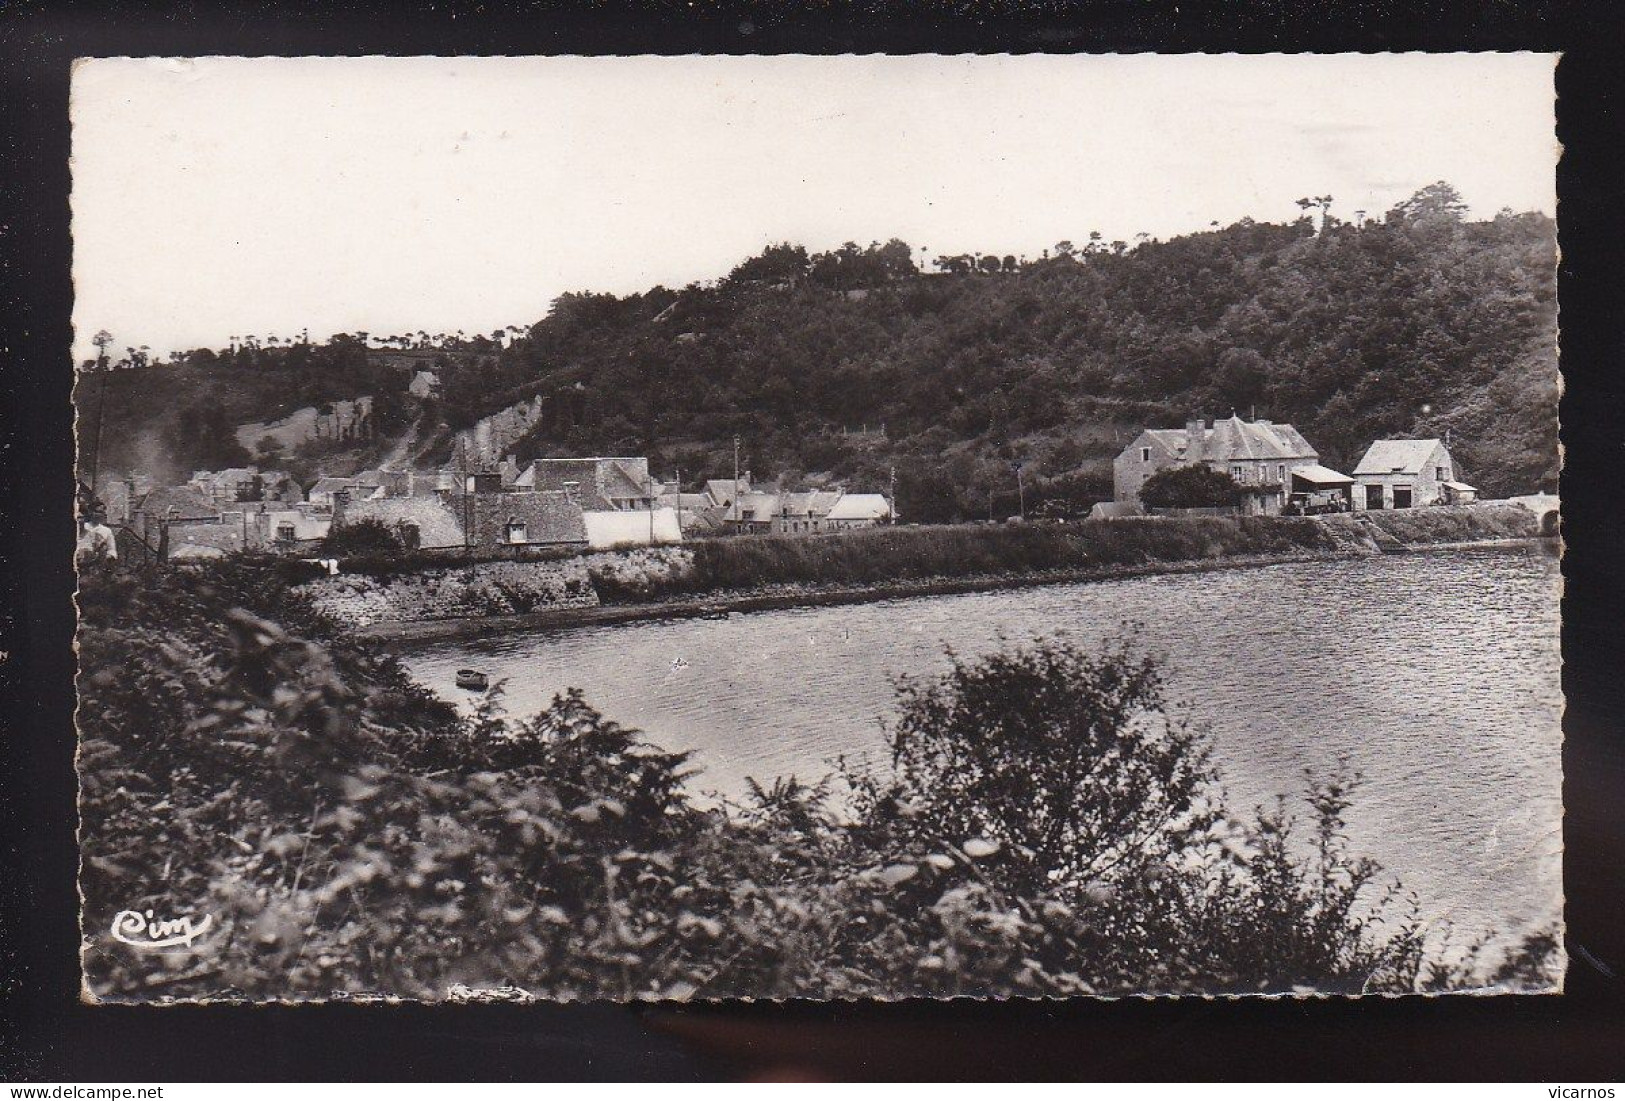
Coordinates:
(1436,675)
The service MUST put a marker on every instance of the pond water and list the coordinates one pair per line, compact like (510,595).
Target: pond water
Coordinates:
(1435,675)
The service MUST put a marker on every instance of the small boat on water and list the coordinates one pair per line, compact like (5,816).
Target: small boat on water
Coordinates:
(473,680)
(715,613)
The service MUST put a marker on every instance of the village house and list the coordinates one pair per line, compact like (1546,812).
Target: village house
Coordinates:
(245,483)
(153,513)
(721,493)
(1409,474)
(697,514)
(1270,462)
(859,510)
(599,484)
(287,529)
(768,509)
(530,518)
(481,514)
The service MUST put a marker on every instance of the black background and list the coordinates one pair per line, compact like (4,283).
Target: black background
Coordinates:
(45,1034)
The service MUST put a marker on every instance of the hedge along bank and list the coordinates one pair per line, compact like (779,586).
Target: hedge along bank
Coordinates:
(880,562)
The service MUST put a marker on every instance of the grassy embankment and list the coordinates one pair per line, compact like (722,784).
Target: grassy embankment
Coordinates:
(892,556)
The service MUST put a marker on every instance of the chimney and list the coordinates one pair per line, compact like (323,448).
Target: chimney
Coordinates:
(1196,437)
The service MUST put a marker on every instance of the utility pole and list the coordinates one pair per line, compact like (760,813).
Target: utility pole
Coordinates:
(1021,493)
(679,504)
(733,502)
(891,502)
(650,479)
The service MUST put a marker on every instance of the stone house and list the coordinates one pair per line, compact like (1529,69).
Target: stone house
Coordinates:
(598,484)
(237,484)
(1258,455)
(514,518)
(858,510)
(1409,474)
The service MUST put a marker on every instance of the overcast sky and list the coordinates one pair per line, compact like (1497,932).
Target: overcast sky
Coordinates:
(231,196)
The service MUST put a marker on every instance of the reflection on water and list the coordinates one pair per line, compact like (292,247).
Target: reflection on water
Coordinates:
(1435,675)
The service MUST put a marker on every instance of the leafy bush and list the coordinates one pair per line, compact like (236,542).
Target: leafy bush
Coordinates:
(348,833)
(367,536)
(1189,487)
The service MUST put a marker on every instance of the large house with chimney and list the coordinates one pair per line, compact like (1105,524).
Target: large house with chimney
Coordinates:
(1272,463)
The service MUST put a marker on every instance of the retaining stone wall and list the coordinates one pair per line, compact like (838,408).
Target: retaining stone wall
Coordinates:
(455,592)
(482,589)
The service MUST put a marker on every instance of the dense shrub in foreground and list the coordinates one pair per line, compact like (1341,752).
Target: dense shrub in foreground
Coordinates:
(1044,829)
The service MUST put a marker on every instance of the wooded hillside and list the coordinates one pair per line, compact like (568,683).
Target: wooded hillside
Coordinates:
(1411,324)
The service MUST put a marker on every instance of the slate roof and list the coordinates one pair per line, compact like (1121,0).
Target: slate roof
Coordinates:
(1396,457)
(329,484)
(1237,440)
(724,491)
(185,501)
(861,506)
(607,479)
(549,516)
(621,482)
(757,507)
(1321,475)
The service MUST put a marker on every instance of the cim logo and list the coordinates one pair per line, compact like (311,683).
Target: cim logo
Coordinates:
(139,929)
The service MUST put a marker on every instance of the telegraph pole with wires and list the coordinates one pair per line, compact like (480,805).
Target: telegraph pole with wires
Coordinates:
(891,501)
(733,503)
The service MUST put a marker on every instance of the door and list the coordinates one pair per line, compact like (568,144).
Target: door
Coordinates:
(1373,498)
(1402,496)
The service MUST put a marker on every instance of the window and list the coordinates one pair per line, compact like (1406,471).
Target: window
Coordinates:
(1236,473)
(1402,496)
(1145,454)
(1441,474)
(514,532)
(1280,473)
(284,533)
